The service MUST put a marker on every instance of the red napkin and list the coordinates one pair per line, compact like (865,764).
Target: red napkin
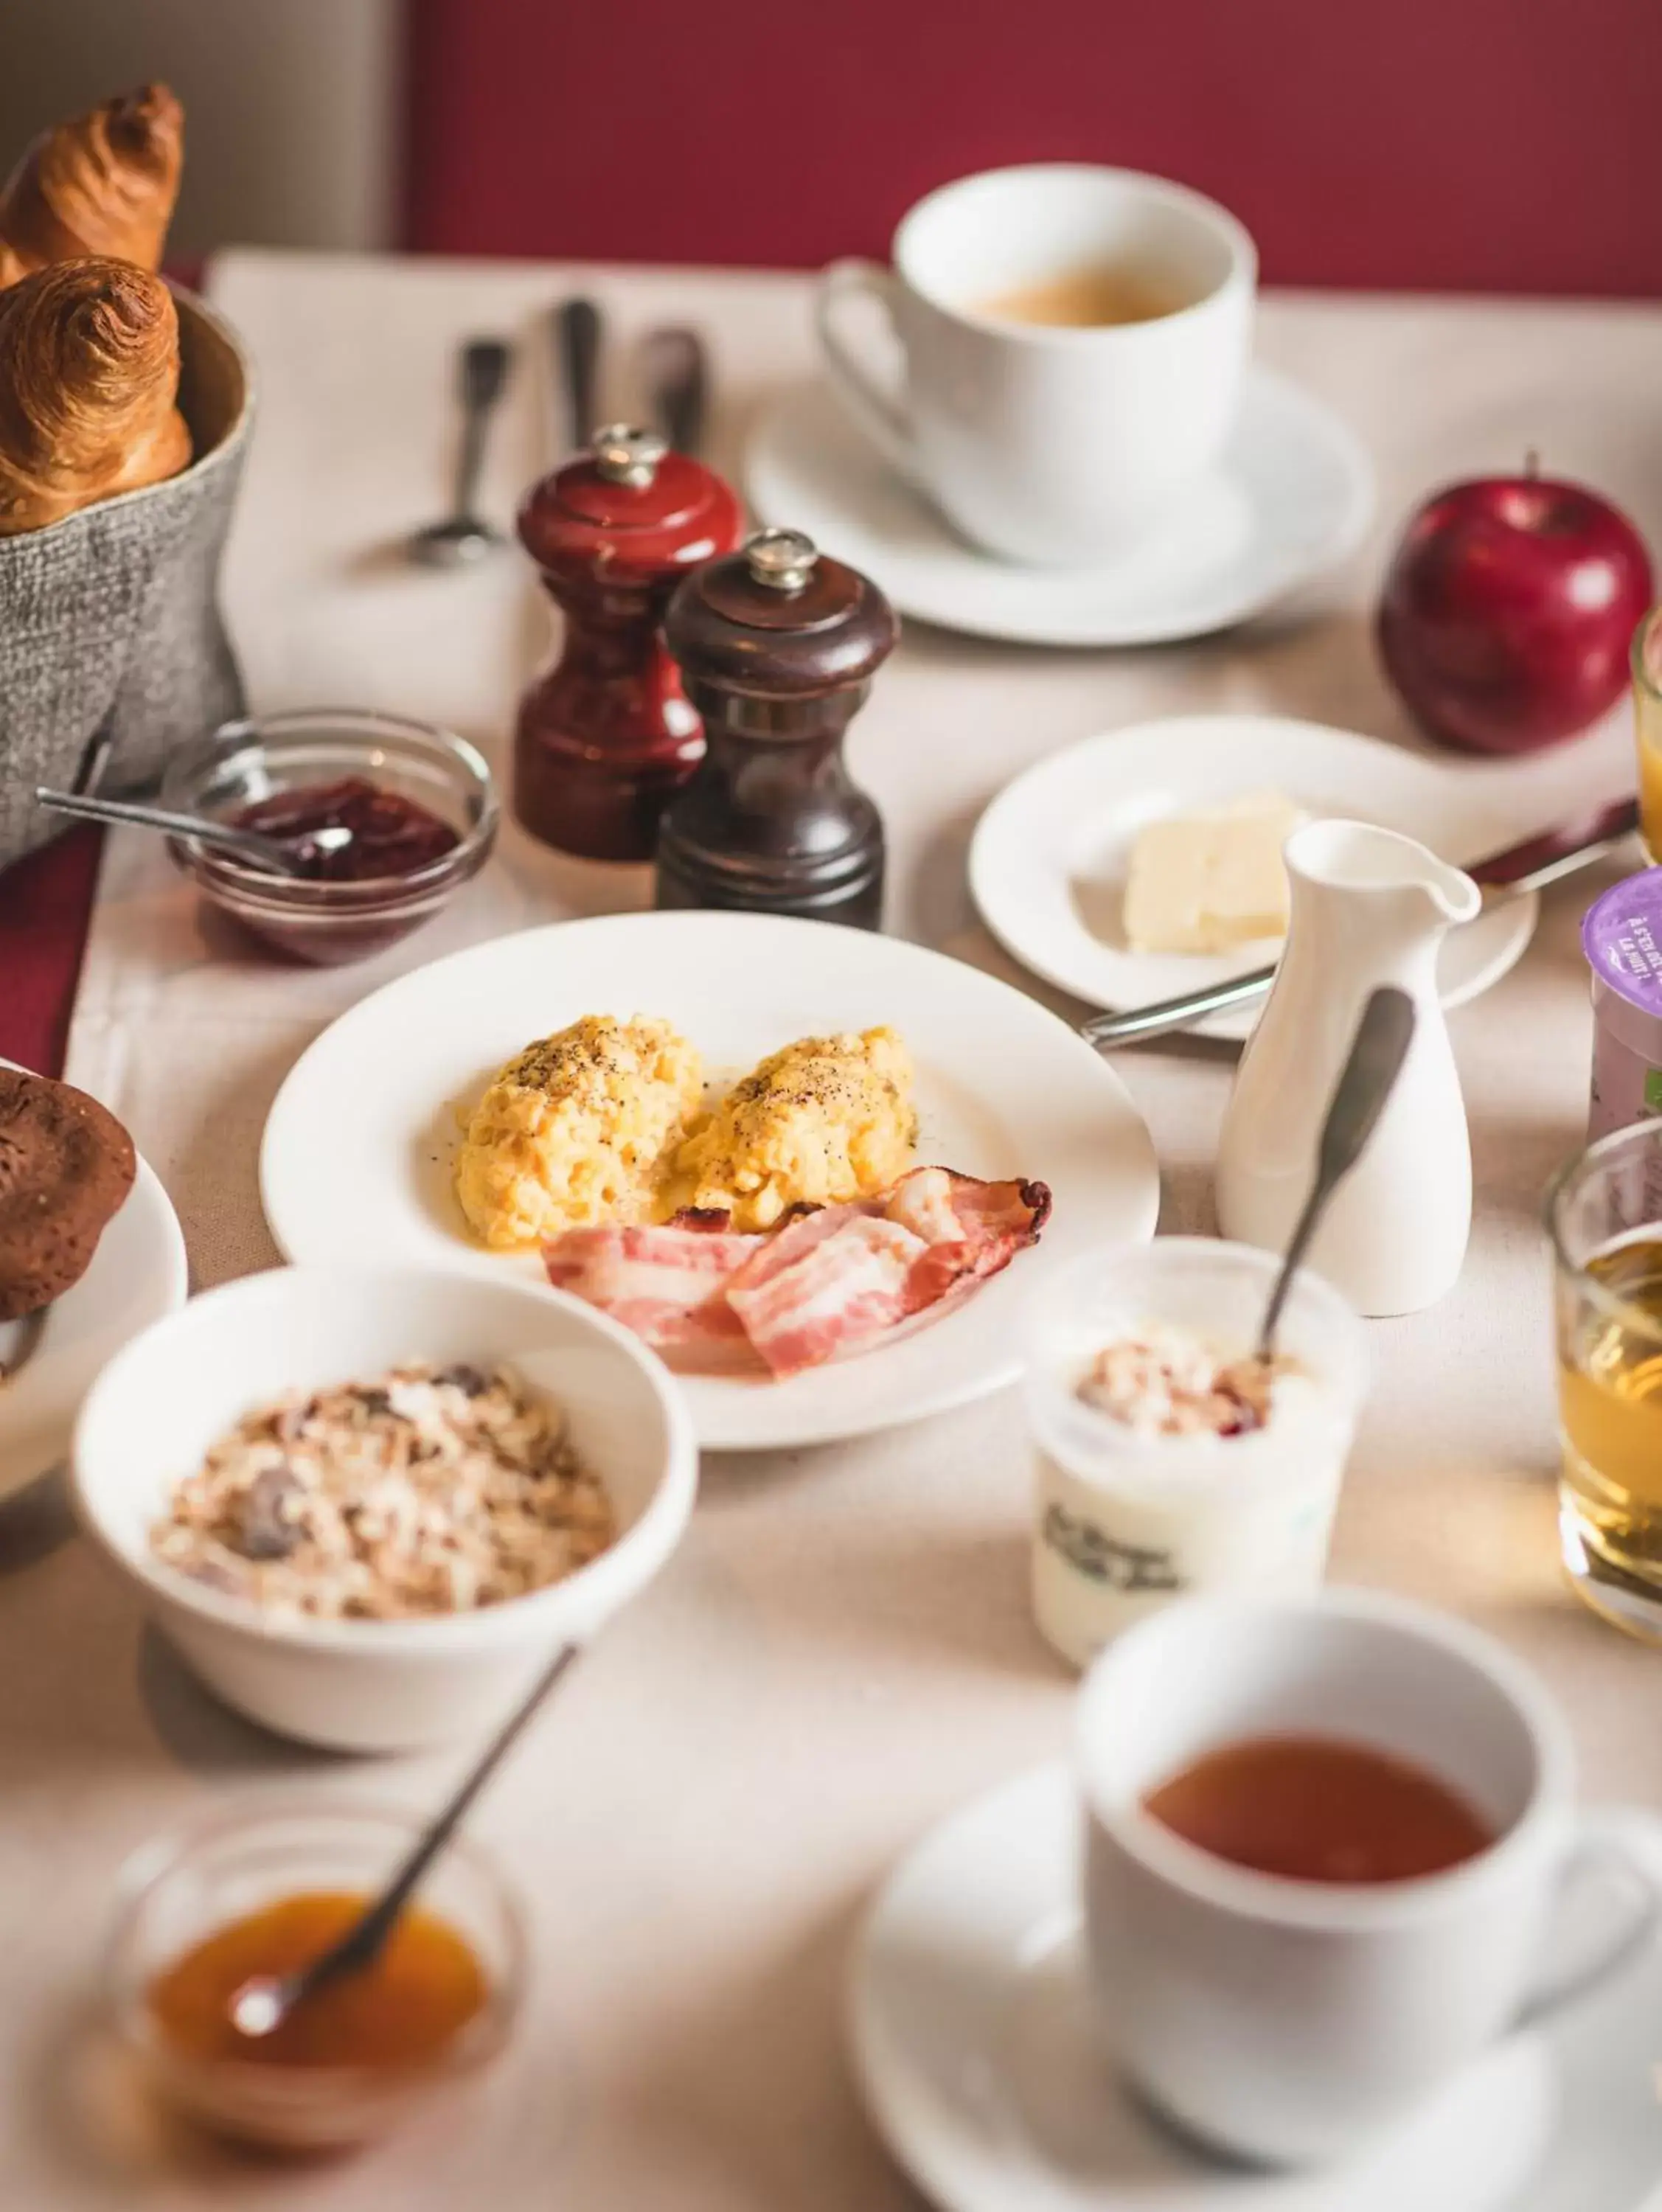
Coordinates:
(46,904)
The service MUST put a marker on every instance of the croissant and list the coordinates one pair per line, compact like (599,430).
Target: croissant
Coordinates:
(86,401)
(104,184)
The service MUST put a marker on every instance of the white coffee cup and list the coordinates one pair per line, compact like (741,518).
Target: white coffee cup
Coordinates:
(1047,444)
(1284,2020)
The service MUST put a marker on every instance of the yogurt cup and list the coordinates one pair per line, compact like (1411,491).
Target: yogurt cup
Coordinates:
(1123,1522)
(1622,938)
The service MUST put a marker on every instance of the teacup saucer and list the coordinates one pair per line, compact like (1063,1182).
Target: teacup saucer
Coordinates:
(976,2050)
(1292,495)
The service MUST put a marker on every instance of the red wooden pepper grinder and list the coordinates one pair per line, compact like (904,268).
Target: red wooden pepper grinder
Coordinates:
(606,737)
(778,644)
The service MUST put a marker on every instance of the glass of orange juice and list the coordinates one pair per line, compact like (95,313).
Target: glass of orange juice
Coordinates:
(1604,1213)
(1648,726)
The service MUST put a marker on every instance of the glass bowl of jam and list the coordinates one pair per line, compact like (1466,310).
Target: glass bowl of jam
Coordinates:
(203,1911)
(419,801)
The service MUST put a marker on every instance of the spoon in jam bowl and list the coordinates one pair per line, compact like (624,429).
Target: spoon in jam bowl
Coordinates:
(263,2003)
(289,856)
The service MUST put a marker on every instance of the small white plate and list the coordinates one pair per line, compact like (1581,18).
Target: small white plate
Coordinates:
(1293,496)
(137,1273)
(356,1161)
(1049,859)
(976,2050)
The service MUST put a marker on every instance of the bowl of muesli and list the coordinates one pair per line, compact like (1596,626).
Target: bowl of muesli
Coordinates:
(366,1505)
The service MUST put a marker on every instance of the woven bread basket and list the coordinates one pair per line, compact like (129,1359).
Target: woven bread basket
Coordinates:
(110,627)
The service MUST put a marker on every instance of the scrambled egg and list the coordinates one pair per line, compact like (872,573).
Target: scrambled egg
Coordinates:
(824,1119)
(576,1129)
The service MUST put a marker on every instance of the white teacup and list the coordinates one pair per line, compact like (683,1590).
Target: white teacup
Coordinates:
(1284,2020)
(1052,443)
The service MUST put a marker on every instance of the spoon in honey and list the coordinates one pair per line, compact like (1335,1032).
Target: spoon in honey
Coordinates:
(259,2008)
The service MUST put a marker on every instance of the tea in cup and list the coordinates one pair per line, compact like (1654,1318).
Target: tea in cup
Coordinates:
(1076,340)
(1324,1841)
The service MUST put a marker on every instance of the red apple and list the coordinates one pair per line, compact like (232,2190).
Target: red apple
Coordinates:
(1509,609)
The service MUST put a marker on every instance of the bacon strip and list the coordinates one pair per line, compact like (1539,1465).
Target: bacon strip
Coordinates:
(829,1284)
(822,1284)
(805,1296)
(668,1285)
(974,1229)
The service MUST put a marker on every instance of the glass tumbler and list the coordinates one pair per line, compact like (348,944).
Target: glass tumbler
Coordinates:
(1604,1215)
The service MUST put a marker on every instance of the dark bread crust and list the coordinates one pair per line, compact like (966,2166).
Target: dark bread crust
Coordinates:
(66,1163)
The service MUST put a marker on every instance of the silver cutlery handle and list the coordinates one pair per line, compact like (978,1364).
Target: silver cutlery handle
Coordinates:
(1165,1015)
(225,836)
(578,326)
(682,396)
(86,808)
(484,373)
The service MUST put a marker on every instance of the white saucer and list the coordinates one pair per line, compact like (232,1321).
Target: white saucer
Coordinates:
(974,2051)
(137,1273)
(1292,495)
(1049,858)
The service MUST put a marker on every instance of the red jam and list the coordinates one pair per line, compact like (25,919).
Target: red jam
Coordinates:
(391,836)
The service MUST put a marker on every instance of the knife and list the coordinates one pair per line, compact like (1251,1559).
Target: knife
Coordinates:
(676,373)
(577,336)
(1545,859)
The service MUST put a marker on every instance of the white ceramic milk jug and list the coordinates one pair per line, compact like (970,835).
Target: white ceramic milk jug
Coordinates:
(1368,907)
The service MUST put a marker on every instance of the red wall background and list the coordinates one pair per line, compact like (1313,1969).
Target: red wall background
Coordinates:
(1505,145)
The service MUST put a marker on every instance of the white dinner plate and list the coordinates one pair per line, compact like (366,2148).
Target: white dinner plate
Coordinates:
(137,1273)
(1049,859)
(357,1158)
(976,2050)
(1293,496)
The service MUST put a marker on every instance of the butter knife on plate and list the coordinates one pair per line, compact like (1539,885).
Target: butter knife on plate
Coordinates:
(1546,858)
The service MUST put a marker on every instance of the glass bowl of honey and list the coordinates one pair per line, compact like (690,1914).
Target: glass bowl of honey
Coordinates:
(203,1911)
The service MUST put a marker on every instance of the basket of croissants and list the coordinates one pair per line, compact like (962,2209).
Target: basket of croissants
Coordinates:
(124,408)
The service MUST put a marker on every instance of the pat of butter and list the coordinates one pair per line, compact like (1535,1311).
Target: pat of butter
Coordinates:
(1206,883)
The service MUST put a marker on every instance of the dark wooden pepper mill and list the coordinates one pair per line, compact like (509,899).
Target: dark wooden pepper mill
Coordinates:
(777,645)
(606,736)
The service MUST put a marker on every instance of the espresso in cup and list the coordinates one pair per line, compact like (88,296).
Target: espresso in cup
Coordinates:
(1076,340)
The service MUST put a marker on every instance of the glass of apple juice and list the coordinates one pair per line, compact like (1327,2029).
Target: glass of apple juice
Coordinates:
(1604,1214)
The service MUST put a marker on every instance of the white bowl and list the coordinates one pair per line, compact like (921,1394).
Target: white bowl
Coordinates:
(377,1686)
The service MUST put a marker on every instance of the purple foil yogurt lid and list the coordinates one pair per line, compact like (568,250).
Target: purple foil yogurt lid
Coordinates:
(1622,937)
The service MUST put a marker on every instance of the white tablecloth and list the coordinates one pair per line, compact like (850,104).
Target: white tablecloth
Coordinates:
(842,1651)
